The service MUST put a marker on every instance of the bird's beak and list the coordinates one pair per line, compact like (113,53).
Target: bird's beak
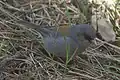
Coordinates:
(94,41)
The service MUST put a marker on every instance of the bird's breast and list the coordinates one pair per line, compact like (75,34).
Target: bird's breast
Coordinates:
(60,46)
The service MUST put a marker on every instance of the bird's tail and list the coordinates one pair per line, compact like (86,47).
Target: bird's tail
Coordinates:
(40,29)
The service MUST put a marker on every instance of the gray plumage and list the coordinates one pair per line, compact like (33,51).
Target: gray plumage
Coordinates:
(78,38)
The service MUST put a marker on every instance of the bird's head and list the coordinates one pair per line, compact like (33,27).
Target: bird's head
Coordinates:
(84,30)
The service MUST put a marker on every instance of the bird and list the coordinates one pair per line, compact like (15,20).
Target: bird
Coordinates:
(64,40)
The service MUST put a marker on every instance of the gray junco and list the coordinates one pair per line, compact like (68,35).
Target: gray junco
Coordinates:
(76,38)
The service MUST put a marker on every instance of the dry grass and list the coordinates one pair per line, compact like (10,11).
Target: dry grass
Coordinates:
(22,56)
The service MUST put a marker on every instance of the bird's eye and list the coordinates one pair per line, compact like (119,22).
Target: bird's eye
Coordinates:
(87,37)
